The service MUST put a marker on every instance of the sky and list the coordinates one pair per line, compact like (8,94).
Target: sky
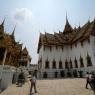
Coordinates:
(34,16)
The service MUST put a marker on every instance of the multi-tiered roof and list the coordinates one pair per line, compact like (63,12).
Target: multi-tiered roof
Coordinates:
(7,41)
(68,36)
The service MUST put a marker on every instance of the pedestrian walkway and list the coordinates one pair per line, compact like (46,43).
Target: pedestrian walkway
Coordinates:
(15,90)
(52,87)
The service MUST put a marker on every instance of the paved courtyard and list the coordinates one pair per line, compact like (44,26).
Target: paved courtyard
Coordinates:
(52,87)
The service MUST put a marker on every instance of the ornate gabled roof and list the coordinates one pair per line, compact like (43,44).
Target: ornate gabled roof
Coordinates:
(18,47)
(59,38)
(68,38)
(5,40)
(13,31)
(68,28)
(52,39)
(92,28)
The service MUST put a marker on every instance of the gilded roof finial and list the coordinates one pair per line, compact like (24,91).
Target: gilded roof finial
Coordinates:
(3,22)
(79,26)
(67,22)
(13,30)
(89,19)
(2,27)
(67,28)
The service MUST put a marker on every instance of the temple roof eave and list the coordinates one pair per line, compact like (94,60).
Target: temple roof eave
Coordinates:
(76,35)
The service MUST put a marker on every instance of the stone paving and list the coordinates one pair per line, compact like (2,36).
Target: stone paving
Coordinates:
(52,87)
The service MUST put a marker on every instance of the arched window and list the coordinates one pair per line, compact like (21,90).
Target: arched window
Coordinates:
(81,43)
(66,64)
(88,40)
(54,64)
(71,63)
(44,48)
(47,64)
(62,47)
(76,44)
(40,63)
(56,47)
(81,62)
(71,46)
(60,64)
(76,63)
(89,62)
(62,73)
(56,74)
(50,48)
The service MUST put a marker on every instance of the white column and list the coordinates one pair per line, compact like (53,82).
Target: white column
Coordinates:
(3,62)
(4,58)
(28,64)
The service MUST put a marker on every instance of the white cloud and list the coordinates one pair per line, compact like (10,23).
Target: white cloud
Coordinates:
(21,15)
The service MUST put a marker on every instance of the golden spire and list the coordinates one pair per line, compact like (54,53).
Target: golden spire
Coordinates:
(67,22)
(3,22)
(68,27)
(13,31)
(79,27)
(2,27)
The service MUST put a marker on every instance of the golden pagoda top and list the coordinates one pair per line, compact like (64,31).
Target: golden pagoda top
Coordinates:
(68,28)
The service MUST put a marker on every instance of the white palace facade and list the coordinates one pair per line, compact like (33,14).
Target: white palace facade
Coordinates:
(70,53)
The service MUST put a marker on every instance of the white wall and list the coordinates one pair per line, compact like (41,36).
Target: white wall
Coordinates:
(6,76)
(68,53)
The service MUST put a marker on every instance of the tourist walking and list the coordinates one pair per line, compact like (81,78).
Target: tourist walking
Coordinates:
(87,80)
(92,81)
(33,84)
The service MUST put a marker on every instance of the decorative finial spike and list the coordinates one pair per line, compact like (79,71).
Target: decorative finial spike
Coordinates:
(89,19)
(79,26)
(13,30)
(3,22)
(67,19)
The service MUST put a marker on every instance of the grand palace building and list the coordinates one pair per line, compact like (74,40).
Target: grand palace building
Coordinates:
(67,53)
(13,58)
(11,52)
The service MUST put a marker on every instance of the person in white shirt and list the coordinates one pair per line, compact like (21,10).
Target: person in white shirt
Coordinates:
(33,84)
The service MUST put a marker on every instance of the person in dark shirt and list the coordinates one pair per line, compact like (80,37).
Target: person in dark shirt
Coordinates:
(87,80)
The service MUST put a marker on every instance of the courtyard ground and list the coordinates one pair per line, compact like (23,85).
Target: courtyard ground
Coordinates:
(74,86)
